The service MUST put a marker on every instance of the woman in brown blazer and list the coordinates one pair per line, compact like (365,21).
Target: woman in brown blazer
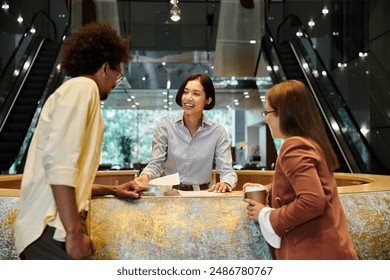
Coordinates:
(305,219)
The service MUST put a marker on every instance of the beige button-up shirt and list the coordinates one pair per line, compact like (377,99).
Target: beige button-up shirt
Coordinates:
(65,150)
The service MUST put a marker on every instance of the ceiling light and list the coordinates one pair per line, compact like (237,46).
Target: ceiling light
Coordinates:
(5,6)
(20,19)
(175,12)
(342,65)
(325,11)
(363,54)
(311,23)
(364,130)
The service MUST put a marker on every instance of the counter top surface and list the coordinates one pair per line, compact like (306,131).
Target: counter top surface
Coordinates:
(347,182)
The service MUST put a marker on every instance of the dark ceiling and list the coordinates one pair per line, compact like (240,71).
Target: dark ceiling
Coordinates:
(165,52)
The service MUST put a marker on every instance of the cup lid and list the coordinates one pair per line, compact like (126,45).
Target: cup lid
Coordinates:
(255,188)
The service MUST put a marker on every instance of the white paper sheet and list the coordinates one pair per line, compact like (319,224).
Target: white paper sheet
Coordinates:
(200,193)
(169,180)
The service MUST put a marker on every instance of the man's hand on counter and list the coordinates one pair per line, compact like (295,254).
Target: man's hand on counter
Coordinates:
(125,190)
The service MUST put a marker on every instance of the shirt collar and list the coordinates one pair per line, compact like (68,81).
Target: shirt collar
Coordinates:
(205,120)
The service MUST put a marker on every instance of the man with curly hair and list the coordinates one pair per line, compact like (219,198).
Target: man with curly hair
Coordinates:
(64,153)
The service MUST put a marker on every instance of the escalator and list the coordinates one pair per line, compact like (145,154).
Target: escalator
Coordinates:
(19,116)
(289,62)
(28,79)
(296,58)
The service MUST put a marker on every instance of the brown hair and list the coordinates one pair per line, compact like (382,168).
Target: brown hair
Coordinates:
(90,46)
(300,116)
(207,85)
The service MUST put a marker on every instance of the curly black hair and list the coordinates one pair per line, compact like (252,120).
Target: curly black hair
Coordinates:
(90,46)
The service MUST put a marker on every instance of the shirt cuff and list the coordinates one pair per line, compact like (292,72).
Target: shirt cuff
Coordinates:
(266,228)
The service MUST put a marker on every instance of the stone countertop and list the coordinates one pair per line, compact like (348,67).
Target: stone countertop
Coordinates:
(187,227)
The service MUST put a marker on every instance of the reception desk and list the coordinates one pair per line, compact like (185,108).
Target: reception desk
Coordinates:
(175,227)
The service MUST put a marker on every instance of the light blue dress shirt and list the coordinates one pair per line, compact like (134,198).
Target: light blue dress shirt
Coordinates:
(175,151)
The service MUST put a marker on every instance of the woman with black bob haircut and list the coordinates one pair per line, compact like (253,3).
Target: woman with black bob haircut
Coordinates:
(190,144)
(206,83)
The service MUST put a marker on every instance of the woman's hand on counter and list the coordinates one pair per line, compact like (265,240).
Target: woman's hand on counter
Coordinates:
(144,178)
(220,187)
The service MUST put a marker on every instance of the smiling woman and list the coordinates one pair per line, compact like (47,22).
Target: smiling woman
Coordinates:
(191,144)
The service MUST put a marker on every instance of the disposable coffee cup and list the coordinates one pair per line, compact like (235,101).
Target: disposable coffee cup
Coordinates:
(257,193)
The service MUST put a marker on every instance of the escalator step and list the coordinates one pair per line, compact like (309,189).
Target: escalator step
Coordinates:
(19,119)
(13,137)
(23,110)
(33,85)
(28,99)
(14,127)
(292,68)
(7,147)
(7,158)
(48,60)
(37,75)
(29,93)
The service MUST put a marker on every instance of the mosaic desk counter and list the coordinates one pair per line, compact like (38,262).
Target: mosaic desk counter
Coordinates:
(206,228)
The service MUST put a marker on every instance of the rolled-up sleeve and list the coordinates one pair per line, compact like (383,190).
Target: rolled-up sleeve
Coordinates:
(154,168)
(223,159)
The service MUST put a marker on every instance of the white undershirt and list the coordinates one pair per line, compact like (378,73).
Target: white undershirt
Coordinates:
(266,228)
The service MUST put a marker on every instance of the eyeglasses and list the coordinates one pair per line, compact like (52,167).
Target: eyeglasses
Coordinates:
(264,113)
(119,77)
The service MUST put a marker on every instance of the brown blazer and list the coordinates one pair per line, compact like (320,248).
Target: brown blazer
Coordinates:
(308,215)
